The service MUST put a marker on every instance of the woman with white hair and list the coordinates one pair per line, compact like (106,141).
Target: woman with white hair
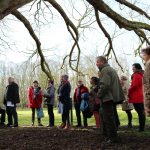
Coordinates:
(126,106)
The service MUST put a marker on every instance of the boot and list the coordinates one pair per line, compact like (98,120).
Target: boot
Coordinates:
(130,125)
(39,122)
(32,123)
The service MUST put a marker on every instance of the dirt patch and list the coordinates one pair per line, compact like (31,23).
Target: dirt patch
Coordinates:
(29,138)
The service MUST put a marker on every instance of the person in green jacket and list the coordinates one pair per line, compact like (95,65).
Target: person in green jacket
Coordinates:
(110,93)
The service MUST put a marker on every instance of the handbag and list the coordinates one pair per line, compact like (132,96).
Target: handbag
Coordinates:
(127,106)
(40,113)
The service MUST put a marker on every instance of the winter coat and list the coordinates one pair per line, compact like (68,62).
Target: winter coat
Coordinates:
(78,92)
(125,88)
(146,82)
(135,92)
(92,99)
(110,87)
(34,99)
(64,92)
(12,94)
(49,96)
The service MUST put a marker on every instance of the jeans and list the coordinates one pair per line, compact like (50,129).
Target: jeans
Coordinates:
(139,108)
(2,112)
(51,114)
(12,113)
(78,115)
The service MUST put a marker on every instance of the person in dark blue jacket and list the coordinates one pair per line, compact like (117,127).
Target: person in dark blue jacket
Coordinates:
(64,99)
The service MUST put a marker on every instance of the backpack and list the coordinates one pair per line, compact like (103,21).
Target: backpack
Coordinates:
(84,106)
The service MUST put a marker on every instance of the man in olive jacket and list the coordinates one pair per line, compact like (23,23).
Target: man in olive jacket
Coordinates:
(110,93)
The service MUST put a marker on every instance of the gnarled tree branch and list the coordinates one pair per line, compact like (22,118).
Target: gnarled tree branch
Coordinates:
(134,7)
(70,27)
(44,65)
(117,18)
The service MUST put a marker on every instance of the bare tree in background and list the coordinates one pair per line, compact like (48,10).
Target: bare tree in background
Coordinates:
(140,27)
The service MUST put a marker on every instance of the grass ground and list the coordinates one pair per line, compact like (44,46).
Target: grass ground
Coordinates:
(25,118)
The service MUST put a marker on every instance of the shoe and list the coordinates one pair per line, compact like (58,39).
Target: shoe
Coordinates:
(85,126)
(111,141)
(62,126)
(40,125)
(15,125)
(9,125)
(129,125)
(78,126)
(32,124)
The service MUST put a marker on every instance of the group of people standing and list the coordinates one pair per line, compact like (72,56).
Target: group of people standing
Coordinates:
(106,92)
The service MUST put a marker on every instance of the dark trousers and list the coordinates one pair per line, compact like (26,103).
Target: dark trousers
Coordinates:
(139,108)
(12,114)
(78,115)
(2,112)
(50,114)
(117,121)
(108,120)
(33,115)
(129,115)
(65,115)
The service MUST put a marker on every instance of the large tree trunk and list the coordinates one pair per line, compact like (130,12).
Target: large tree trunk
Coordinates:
(7,6)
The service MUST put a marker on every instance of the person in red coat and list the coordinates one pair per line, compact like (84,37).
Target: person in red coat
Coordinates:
(35,100)
(77,102)
(135,94)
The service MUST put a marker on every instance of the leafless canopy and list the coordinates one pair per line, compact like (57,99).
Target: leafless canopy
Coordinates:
(99,6)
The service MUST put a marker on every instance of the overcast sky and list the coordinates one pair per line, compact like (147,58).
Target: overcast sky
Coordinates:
(56,39)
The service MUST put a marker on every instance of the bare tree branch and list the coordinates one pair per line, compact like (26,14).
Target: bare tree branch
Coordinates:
(108,37)
(117,18)
(134,7)
(44,65)
(70,27)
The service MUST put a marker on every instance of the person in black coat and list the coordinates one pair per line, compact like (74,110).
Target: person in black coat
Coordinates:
(11,98)
(2,120)
(64,98)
